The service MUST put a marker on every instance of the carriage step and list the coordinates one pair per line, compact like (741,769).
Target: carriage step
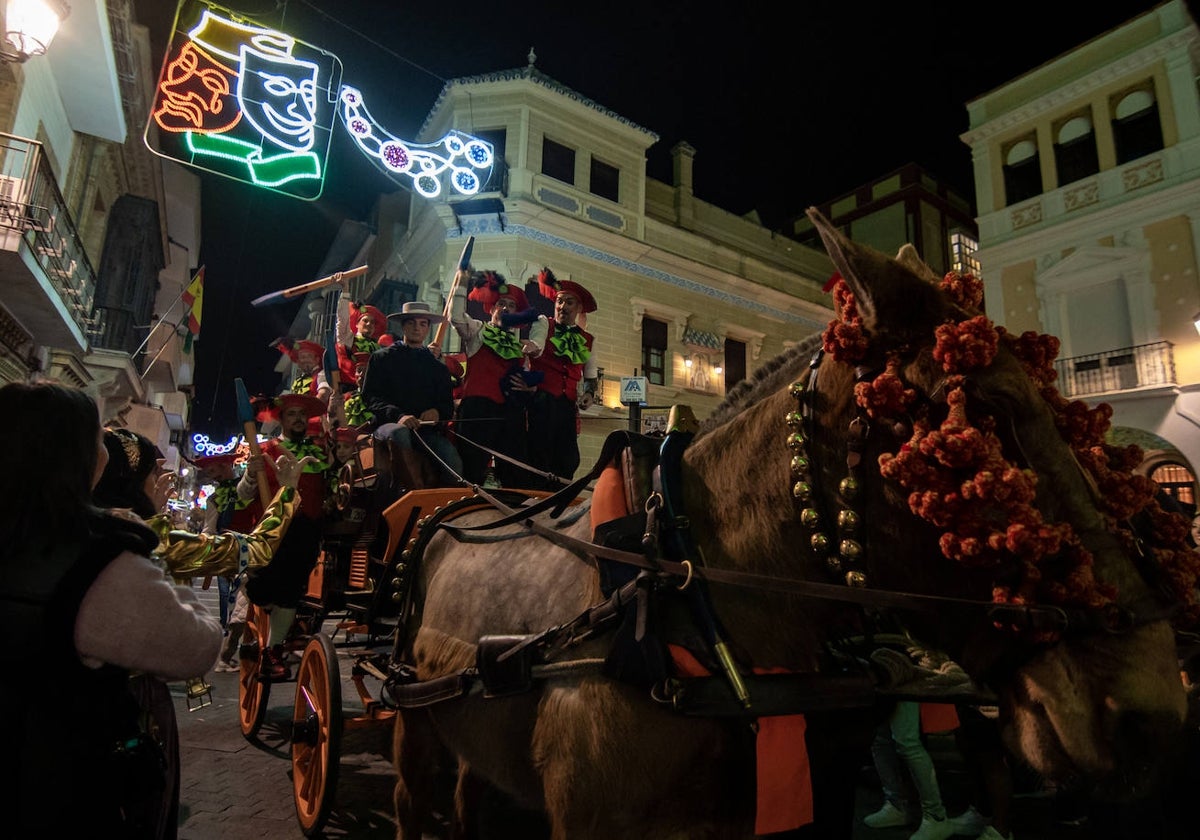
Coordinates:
(360,563)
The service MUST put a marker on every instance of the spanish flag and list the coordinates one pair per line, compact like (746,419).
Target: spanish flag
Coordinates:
(193,299)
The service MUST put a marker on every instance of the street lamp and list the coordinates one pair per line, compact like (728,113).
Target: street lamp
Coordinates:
(31,26)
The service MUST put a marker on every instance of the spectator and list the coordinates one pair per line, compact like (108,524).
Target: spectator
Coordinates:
(900,757)
(83,608)
(567,362)
(408,390)
(491,412)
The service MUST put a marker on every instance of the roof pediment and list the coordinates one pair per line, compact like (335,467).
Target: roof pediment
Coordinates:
(1100,261)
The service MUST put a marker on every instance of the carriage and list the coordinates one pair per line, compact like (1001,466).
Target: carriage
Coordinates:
(912,460)
(357,589)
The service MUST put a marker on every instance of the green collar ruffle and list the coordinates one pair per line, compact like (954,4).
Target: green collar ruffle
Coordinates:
(570,344)
(501,342)
(307,447)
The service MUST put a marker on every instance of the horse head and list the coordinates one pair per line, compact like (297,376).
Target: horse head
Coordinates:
(974,479)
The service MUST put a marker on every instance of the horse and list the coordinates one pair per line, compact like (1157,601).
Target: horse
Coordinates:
(918,464)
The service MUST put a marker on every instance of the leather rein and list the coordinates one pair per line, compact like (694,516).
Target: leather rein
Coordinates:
(1035,618)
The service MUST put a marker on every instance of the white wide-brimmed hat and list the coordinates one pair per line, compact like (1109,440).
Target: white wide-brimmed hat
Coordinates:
(417,309)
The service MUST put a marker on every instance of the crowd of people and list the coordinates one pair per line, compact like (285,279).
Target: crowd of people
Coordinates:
(96,587)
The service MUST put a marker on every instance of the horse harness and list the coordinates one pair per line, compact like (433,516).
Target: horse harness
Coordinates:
(510,664)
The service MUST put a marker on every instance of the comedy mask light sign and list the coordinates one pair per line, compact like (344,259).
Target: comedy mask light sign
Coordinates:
(254,104)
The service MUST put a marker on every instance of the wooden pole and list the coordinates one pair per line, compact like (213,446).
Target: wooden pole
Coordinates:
(304,288)
(464,261)
(250,429)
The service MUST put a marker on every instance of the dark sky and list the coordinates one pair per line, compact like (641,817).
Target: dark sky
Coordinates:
(785,108)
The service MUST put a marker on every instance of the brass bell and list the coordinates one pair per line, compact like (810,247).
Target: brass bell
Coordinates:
(820,543)
(848,487)
(797,389)
(855,578)
(834,563)
(397,597)
(850,549)
(799,465)
(794,419)
(802,490)
(810,517)
(397,582)
(847,520)
(796,440)
(404,555)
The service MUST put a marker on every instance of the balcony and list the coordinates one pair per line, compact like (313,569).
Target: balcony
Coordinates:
(49,285)
(1124,369)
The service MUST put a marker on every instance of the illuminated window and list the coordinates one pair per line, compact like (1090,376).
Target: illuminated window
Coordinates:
(1137,130)
(1022,171)
(964,250)
(1177,482)
(1075,150)
(558,161)
(654,350)
(605,180)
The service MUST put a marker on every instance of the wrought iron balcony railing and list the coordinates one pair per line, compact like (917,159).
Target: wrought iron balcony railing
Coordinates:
(1123,369)
(32,205)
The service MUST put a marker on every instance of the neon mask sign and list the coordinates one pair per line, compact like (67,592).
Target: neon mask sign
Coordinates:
(254,104)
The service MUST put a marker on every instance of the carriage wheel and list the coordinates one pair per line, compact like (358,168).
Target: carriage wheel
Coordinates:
(316,734)
(252,690)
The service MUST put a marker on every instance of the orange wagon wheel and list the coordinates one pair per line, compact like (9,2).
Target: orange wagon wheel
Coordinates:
(316,734)
(252,690)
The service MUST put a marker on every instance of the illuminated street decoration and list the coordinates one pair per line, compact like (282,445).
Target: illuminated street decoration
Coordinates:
(201,445)
(257,105)
(464,160)
(245,101)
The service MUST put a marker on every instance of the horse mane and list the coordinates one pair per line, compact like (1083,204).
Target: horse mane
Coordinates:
(766,380)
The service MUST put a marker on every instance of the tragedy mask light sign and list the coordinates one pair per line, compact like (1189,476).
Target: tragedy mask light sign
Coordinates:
(252,103)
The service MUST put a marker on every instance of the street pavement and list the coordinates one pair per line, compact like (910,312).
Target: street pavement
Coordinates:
(236,789)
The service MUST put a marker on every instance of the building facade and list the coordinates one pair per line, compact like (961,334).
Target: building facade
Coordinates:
(1087,176)
(689,295)
(98,237)
(907,206)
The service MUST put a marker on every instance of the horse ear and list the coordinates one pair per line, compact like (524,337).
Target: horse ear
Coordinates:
(898,296)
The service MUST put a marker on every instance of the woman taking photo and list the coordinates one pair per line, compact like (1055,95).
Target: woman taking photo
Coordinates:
(81,607)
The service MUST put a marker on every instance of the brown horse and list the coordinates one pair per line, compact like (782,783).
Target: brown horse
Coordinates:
(924,452)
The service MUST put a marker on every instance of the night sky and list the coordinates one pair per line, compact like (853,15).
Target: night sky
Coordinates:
(785,108)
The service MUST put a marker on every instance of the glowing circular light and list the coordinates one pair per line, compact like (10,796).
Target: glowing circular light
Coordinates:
(359,127)
(427,185)
(480,154)
(465,181)
(395,157)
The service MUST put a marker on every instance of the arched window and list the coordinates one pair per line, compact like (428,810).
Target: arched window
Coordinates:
(1022,171)
(1075,150)
(1137,130)
(1177,481)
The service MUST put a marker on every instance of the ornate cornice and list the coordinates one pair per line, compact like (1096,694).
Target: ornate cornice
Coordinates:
(1073,91)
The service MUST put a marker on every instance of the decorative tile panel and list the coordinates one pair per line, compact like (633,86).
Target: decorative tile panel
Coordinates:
(1024,216)
(1141,175)
(1081,196)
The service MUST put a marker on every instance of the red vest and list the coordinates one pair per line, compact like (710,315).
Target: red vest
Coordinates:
(311,484)
(484,371)
(562,377)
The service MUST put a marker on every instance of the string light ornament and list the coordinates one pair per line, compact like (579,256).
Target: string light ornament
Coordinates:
(959,480)
(464,161)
